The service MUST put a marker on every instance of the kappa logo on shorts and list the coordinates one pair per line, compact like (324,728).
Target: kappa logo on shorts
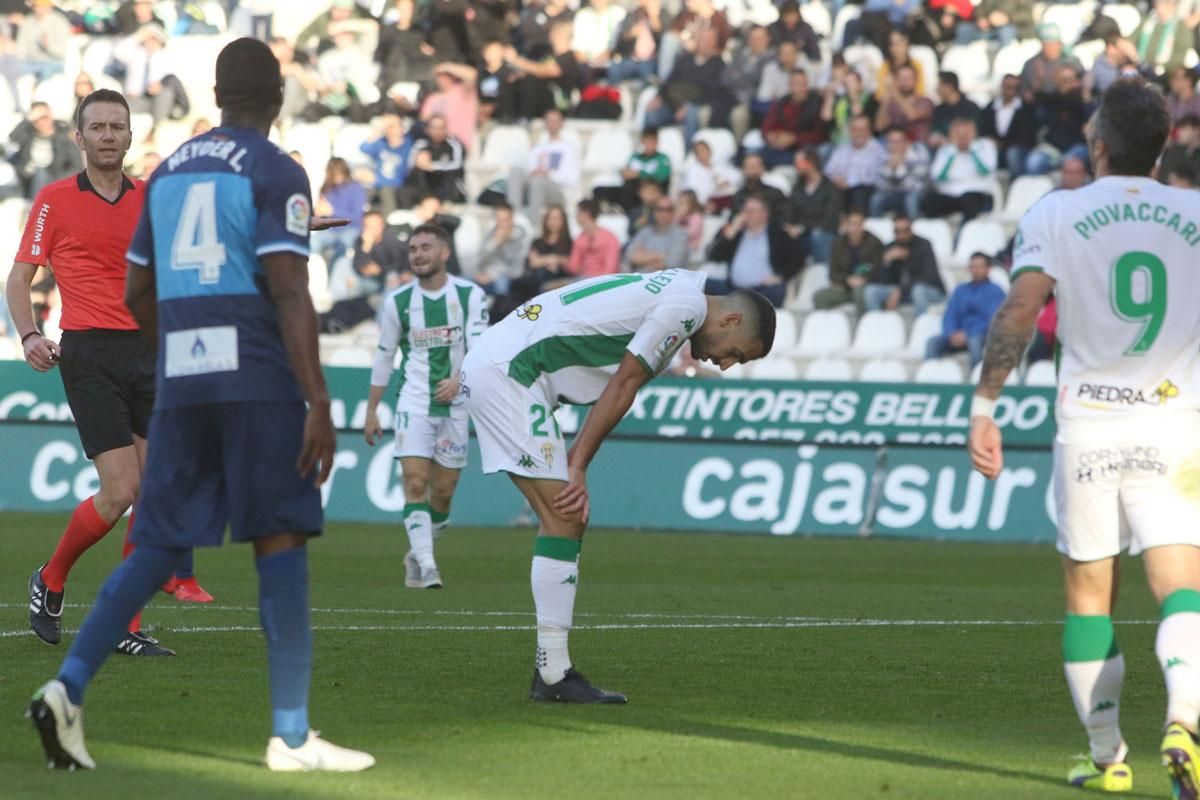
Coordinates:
(525,461)
(530,311)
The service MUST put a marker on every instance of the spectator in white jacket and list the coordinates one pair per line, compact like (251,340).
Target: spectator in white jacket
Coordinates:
(711,182)
(963,172)
(596,26)
(552,172)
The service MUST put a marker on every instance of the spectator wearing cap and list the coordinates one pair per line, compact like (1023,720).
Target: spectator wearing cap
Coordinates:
(1039,75)
(1064,114)
(964,173)
(1184,152)
(902,107)
(1011,124)
(45,150)
(551,173)
(953,105)
(813,206)
(389,151)
(42,39)
(1182,100)
(969,314)
(692,88)
(903,178)
(998,22)
(456,100)
(761,255)
(637,41)
(660,245)
(1163,40)
(791,27)
(793,122)
(147,67)
(856,255)
(547,81)
(854,167)
(595,251)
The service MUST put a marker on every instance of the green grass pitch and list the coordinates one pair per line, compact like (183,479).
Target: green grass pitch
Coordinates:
(756,667)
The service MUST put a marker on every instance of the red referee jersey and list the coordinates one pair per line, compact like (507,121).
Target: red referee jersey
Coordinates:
(83,237)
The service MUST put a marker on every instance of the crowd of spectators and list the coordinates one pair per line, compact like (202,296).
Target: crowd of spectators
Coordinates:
(829,135)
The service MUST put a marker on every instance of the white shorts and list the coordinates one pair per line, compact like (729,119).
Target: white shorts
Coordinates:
(515,425)
(1127,484)
(443,440)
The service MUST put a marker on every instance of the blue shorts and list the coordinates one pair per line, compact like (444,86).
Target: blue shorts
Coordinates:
(222,464)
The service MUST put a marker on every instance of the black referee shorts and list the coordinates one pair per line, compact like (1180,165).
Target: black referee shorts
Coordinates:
(109,379)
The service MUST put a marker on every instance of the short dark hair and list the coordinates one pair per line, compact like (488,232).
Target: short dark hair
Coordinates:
(1188,120)
(431,229)
(757,314)
(799,71)
(99,96)
(1133,123)
(650,131)
(757,197)
(949,78)
(248,78)
(501,205)
(590,207)
(983,255)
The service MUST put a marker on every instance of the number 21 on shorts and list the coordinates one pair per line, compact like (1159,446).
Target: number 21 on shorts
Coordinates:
(538,417)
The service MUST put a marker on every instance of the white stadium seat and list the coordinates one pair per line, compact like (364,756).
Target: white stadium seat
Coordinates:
(999,276)
(883,370)
(1023,193)
(1041,373)
(1011,58)
(844,15)
(878,333)
(972,65)
(1087,52)
(829,369)
(720,141)
(774,369)
(823,332)
(618,224)
(881,228)
(10,350)
(924,328)
(671,145)
(939,370)
(817,15)
(785,332)
(927,58)
(608,150)
(1127,17)
(937,231)
(867,59)
(1070,19)
(978,369)
(318,282)
(506,146)
(468,242)
(813,278)
(348,143)
(979,236)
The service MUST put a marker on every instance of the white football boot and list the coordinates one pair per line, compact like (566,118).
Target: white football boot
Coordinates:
(60,724)
(315,755)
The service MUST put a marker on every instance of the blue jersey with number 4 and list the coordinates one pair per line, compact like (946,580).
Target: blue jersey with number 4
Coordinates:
(213,208)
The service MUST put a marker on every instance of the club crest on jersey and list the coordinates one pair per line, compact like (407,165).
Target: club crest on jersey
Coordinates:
(297,214)
(530,311)
(548,454)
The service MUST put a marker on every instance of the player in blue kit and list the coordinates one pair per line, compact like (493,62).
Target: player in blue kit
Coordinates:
(223,240)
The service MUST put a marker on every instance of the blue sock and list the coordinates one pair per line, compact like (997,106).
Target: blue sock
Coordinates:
(283,609)
(127,590)
(186,568)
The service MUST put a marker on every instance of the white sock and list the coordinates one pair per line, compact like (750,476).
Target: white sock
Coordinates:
(1178,650)
(554,582)
(439,525)
(1096,690)
(419,526)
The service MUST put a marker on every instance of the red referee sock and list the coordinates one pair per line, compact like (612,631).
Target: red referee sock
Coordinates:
(85,529)
(135,624)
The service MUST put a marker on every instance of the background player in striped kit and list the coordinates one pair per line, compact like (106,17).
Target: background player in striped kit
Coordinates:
(433,321)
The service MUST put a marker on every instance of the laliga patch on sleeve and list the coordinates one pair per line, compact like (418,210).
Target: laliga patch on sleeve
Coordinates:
(297,214)
(666,348)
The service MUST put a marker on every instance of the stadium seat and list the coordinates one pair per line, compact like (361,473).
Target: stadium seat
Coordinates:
(774,369)
(881,228)
(927,57)
(1070,19)
(924,328)
(640,107)
(785,332)
(608,150)
(1127,17)
(1011,58)
(817,15)
(468,241)
(939,370)
(506,146)
(318,282)
(722,143)
(844,15)
(618,224)
(780,179)
(883,370)
(350,357)
(978,369)
(999,276)
(813,278)
(1088,52)
(971,64)
(878,333)
(1023,193)
(671,145)
(829,369)
(348,143)
(823,332)
(312,141)
(979,236)
(1041,373)
(867,59)
(10,350)
(937,231)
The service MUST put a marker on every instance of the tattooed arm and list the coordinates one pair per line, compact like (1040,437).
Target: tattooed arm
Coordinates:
(1008,338)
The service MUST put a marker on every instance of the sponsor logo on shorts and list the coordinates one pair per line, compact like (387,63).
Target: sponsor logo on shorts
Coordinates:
(1107,462)
(1126,396)
(297,213)
(449,447)
(530,311)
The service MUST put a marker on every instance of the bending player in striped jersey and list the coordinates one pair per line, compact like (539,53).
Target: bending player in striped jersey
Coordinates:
(433,322)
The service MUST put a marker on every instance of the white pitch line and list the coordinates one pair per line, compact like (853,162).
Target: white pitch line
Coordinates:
(812,623)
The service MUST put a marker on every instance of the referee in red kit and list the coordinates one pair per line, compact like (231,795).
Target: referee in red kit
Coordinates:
(80,228)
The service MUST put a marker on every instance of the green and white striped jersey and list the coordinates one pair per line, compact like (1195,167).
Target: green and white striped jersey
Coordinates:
(571,340)
(432,330)
(1124,256)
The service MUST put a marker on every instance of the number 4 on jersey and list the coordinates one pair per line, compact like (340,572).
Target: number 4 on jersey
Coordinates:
(196,245)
